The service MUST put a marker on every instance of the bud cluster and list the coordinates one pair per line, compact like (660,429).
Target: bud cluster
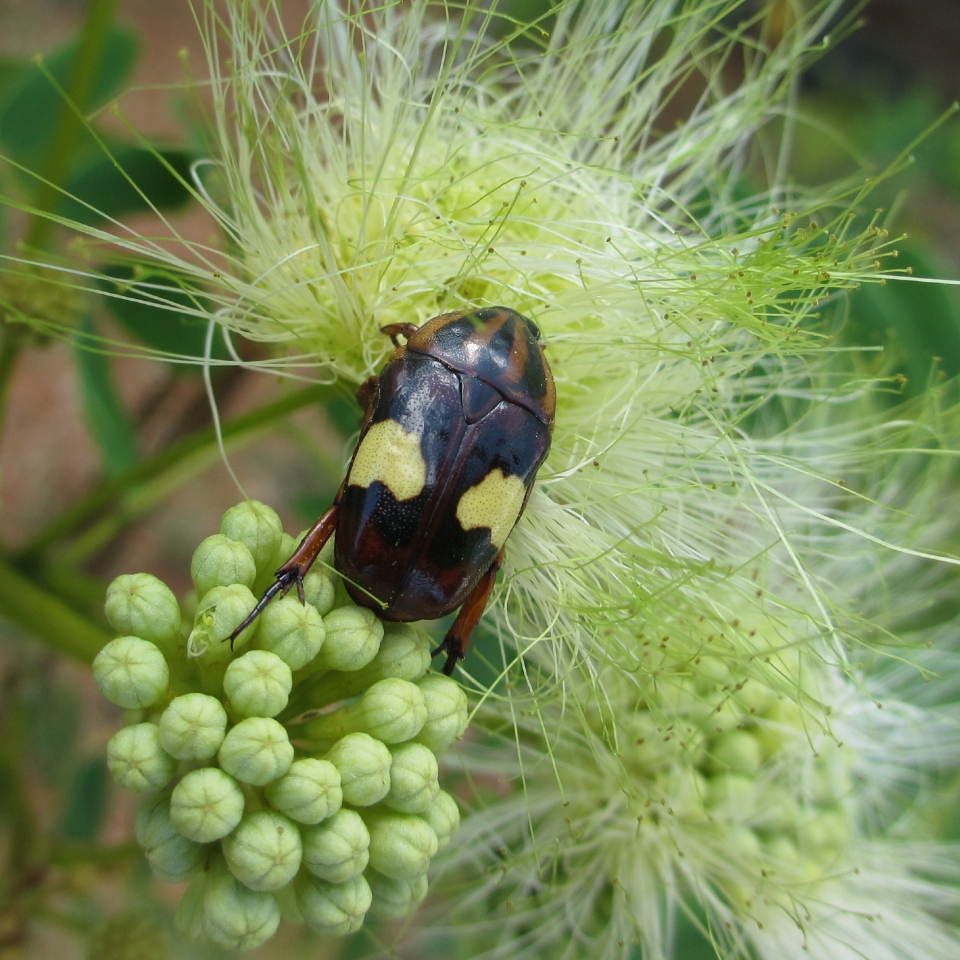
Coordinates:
(294,775)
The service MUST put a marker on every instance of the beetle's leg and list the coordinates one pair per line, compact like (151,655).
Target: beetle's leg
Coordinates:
(458,636)
(366,393)
(295,567)
(393,330)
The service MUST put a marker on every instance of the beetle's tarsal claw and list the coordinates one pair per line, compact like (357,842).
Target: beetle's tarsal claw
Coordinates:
(281,585)
(451,647)
(300,594)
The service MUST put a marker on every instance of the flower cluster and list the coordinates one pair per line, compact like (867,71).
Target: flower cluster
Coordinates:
(292,772)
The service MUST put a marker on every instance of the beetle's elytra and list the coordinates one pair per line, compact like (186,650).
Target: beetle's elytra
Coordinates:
(454,430)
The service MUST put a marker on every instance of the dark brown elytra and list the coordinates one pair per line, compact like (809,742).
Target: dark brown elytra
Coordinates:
(472,397)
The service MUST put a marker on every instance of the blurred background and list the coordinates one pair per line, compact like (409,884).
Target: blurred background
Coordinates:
(107,464)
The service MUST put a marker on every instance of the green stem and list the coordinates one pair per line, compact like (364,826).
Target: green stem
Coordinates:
(168,460)
(77,96)
(47,617)
(10,346)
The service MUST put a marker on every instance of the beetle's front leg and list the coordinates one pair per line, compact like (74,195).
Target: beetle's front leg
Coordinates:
(458,636)
(393,330)
(295,567)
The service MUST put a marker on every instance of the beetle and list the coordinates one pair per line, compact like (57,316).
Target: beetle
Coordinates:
(455,427)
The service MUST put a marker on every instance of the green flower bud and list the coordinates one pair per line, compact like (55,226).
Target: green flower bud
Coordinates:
(737,752)
(131,672)
(337,849)
(256,750)
(236,917)
(732,793)
(393,899)
(391,711)
(443,815)
(172,857)
(287,545)
(827,831)
(446,705)
(292,630)
(400,845)
(309,792)
(319,590)
(140,605)
(206,804)
(192,727)
(364,765)
(353,638)
(258,684)
(219,613)
(221,562)
(136,760)
(334,909)
(264,850)
(258,527)
(414,778)
(404,653)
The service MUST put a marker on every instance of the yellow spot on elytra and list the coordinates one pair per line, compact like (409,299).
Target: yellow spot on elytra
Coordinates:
(494,502)
(391,455)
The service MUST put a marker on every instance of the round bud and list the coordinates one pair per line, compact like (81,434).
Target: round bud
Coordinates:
(292,630)
(219,613)
(309,792)
(400,845)
(264,850)
(393,899)
(319,590)
(414,778)
(143,606)
(404,653)
(221,562)
(256,750)
(338,848)
(258,684)
(206,804)
(258,527)
(731,793)
(192,727)
(172,857)
(736,752)
(446,705)
(364,765)
(136,760)
(131,672)
(443,815)
(236,917)
(334,909)
(829,830)
(391,711)
(353,638)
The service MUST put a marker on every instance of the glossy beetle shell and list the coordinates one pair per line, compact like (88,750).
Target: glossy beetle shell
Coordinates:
(459,424)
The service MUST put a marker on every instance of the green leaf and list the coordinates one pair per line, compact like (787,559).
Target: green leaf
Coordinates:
(156,308)
(107,420)
(12,72)
(103,188)
(29,113)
